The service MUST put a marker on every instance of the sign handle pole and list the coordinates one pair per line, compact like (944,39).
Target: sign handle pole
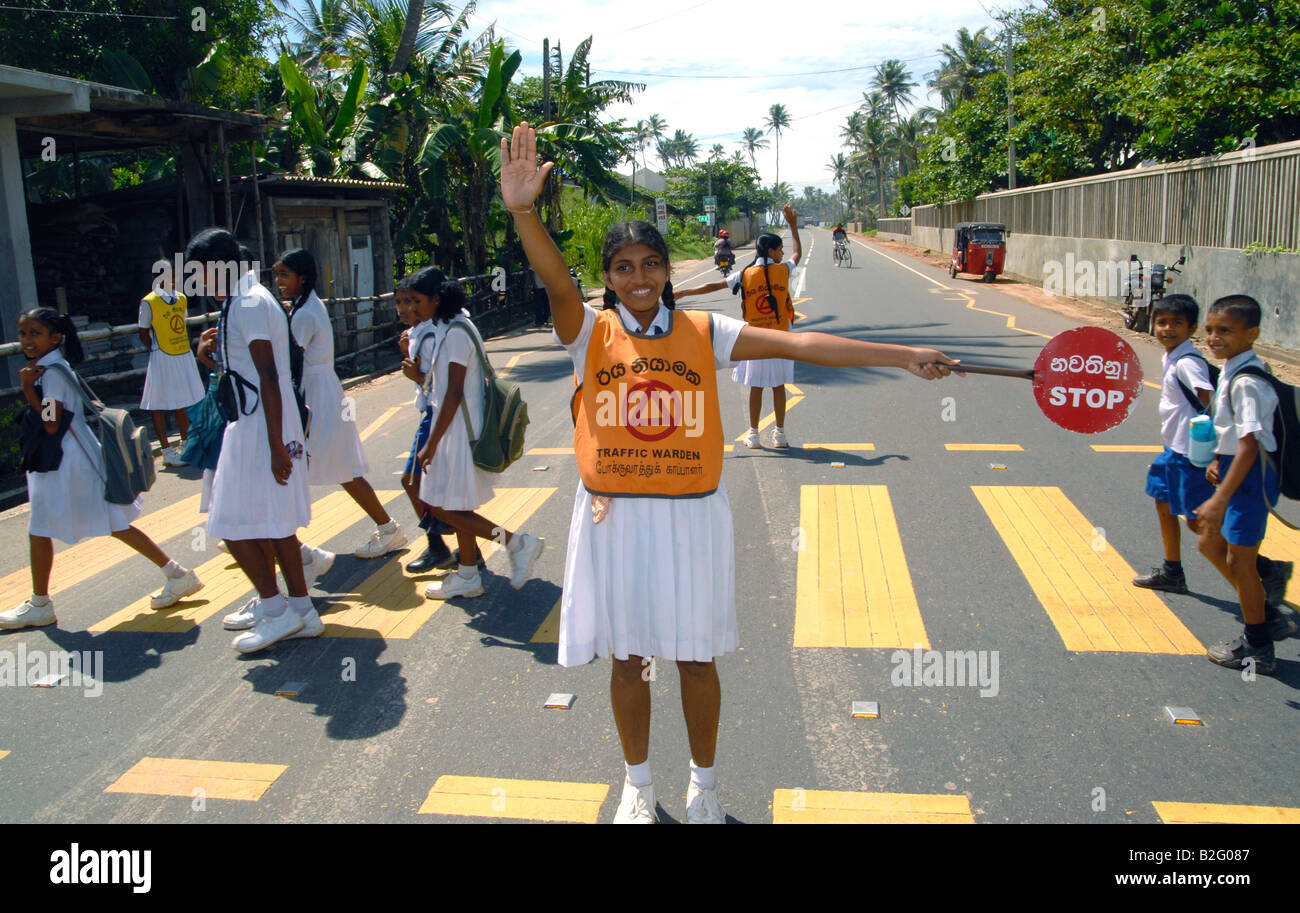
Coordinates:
(1026,373)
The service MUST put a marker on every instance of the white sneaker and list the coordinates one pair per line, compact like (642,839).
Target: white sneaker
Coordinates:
(176,589)
(268,630)
(244,618)
(28,616)
(637,805)
(321,562)
(172,456)
(381,544)
(312,626)
(702,806)
(454,585)
(522,561)
(778,439)
(751,440)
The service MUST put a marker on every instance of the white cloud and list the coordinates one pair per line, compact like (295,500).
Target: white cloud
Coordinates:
(761,38)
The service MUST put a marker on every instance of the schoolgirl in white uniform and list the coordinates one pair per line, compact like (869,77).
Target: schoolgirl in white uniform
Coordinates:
(171,379)
(654,575)
(334,452)
(452,486)
(67,502)
(259,491)
(761,300)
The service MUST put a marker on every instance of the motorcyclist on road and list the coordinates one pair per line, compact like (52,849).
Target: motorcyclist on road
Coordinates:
(722,246)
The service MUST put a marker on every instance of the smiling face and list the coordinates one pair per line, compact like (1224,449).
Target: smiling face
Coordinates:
(36,339)
(1227,335)
(287,281)
(1172,330)
(637,274)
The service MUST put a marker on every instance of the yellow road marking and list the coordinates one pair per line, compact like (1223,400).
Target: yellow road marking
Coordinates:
(816,806)
(1151,385)
(1081,581)
(392,605)
(514,361)
(377,423)
(838,446)
(216,779)
(549,451)
(791,388)
(3,755)
(1016,448)
(771,417)
(1284,544)
(1206,813)
(548,632)
(853,587)
(80,562)
(224,583)
(1127,448)
(528,800)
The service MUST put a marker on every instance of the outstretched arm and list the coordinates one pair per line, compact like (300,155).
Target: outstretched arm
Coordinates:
(792,219)
(839,351)
(701,289)
(521,183)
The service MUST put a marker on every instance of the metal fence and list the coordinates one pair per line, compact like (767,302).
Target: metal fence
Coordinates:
(894,226)
(494,300)
(1230,200)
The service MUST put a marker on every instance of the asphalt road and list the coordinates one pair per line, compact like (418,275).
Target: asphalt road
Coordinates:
(908,528)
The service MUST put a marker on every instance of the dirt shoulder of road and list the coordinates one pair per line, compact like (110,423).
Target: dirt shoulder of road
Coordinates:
(1102,312)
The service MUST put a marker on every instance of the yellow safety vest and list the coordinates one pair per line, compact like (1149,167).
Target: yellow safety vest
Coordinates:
(168,324)
(645,414)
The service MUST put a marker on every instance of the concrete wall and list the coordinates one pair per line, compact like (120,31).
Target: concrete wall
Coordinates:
(1058,265)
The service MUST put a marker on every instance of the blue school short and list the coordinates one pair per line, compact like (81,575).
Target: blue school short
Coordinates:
(1247,514)
(1173,479)
(421,438)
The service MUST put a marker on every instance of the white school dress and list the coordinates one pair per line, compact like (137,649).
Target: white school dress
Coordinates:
(170,381)
(453,482)
(334,445)
(657,576)
(247,502)
(762,372)
(68,503)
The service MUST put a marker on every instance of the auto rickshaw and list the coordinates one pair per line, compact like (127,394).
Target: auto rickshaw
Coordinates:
(979,248)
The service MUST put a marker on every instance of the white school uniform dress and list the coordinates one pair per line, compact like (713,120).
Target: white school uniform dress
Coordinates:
(762,372)
(68,503)
(170,381)
(334,445)
(452,481)
(419,347)
(657,576)
(247,502)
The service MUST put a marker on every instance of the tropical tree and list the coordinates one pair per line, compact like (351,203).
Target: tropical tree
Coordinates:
(778,119)
(971,59)
(752,141)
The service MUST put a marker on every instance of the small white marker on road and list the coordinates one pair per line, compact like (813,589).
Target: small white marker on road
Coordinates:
(49,681)
(837,465)
(291,689)
(1184,715)
(559,702)
(540,468)
(866,710)
(997,466)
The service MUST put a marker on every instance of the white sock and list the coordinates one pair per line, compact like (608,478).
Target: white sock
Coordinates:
(300,604)
(39,600)
(753,430)
(779,428)
(274,607)
(306,553)
(389,527)
(702,777)
(468,572)
(638,774)
(173,570)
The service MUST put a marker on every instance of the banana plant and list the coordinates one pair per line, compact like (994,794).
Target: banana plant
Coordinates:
(326,126)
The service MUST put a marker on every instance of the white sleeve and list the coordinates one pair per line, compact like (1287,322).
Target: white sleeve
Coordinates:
(733,279)
(578,348)
(146,315)
(1194,374)
(791,264)
(726,330)
(253,322)
(459,348)
(1253,402)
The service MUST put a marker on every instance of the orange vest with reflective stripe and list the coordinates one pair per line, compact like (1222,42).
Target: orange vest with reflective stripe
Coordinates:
(757,310)
(168,324)
(645,414)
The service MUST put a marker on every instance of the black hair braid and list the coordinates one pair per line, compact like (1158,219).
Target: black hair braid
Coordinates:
(62,324)
(669,301)
(610,299)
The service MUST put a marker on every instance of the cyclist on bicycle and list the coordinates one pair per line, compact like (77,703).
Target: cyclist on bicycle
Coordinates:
(839,234)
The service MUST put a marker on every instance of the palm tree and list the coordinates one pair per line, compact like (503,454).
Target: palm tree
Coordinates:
(778,118)
(738,157)
(894,82)
(685,148)
(908,135)
(752,141)
(875,145)
(971,59)
(406,44)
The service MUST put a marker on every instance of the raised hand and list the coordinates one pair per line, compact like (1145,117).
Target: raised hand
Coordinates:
(521,178)
(791,217)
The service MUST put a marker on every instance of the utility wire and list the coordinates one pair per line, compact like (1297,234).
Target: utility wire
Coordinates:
(39,9)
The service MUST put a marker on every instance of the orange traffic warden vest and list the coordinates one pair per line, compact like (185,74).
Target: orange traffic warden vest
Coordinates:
(646,422)
(168,323)
(757,310)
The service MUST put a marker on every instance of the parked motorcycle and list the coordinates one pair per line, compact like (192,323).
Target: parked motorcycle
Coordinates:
(1141,291)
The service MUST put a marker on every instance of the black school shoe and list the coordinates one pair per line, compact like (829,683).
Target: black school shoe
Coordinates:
(1281,625)
(1275,583)
(437,555)
(1160,579)
(1236,654)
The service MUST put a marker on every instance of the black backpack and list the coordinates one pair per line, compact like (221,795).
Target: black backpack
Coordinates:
(1285,460)
(1189,392)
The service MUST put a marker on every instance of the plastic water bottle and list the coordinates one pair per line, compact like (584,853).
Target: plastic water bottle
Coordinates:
(1200,450)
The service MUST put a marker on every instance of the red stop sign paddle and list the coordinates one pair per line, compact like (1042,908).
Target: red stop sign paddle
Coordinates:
(1085,380)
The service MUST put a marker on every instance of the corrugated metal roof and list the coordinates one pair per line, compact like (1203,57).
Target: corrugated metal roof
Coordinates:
(332,182)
